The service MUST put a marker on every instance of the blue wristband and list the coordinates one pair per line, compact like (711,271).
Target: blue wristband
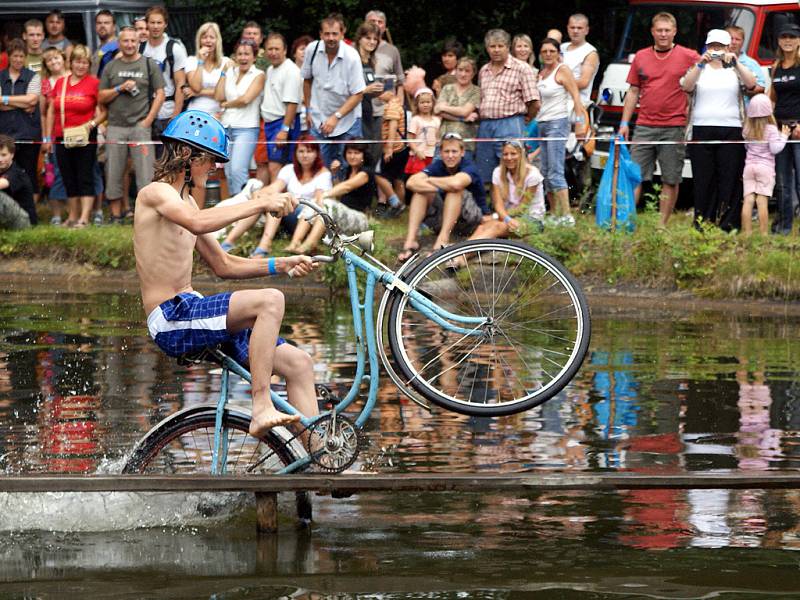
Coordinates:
(6,100)
(624,123)
(507,219)
(271,266)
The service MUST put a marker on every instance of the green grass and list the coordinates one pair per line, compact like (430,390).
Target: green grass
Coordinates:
(710,263)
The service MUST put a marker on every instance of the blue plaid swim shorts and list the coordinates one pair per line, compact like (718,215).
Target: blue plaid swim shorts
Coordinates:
(190,322)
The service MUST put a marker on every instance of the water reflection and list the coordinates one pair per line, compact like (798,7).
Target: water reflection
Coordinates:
(445,544)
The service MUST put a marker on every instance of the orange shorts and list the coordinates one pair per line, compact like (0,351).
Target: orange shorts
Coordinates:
(260,154)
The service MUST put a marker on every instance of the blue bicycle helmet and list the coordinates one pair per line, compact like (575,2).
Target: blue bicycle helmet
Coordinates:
(200,130)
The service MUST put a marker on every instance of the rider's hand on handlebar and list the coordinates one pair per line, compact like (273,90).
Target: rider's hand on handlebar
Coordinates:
(299,266)
(278,205)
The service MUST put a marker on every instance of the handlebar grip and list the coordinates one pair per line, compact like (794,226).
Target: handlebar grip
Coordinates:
(317,259)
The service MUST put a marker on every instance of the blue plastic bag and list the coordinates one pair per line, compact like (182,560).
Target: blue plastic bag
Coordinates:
(628,178)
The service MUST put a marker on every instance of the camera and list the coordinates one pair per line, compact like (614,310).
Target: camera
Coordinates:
(717,54)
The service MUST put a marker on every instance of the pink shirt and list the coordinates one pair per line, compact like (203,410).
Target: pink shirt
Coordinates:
(763,153)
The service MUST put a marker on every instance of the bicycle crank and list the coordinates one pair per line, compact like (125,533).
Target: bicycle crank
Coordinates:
(333,442)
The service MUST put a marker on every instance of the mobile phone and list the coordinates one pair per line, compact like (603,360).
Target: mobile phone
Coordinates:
(388,84)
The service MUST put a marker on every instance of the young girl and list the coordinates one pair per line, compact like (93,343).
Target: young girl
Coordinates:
(424,127)
(763,143)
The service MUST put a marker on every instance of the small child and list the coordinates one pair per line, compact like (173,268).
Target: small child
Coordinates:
(425,129)
(763,143)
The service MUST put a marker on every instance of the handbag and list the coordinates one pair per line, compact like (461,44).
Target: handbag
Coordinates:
(74,137)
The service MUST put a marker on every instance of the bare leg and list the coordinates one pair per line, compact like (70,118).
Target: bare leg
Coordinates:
(450,213)
(261,310)
(270,229)
(241,227)
(763,214)
(561,202)
(313,238)
(86,203)
(666,203)
(74,210)
(262,173)
(274,169)
(384,188)
(114,206)
(416,214)
(299,235)
(747,214)
(400,189)
(297,368)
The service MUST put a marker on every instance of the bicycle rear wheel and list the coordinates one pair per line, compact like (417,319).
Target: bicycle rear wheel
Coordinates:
(535,338)
(184,442)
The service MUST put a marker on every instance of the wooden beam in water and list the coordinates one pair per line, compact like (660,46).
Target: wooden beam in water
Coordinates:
(428,482)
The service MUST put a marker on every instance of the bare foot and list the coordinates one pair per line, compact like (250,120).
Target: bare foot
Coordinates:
(291,249)
(269,418)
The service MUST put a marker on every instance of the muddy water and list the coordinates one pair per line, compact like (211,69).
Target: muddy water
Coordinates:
(662,391)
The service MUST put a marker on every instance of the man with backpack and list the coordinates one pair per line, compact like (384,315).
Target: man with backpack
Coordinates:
(132,88)
(170,55)
(105,26)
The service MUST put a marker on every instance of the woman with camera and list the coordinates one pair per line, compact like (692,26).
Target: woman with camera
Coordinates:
(785,93)
(716,83)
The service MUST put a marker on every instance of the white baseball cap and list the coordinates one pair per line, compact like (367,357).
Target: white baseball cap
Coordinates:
(718,36)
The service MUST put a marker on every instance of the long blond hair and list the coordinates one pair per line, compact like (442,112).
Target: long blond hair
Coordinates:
(217,47)
(755,127)
(520,171)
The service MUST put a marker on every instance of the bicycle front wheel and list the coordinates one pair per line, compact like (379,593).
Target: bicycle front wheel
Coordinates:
(184,442)
(532,343)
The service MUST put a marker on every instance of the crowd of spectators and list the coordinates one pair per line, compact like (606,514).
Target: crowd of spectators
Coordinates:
(340,122)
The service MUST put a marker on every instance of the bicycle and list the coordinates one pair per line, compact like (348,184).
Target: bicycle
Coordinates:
(482,327)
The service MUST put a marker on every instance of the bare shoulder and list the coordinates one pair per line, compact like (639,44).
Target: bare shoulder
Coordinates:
(156,193)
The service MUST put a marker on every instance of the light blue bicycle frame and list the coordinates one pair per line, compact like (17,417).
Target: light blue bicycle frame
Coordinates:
(362,318)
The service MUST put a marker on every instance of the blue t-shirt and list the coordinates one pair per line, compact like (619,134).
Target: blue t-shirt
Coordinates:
(438,169)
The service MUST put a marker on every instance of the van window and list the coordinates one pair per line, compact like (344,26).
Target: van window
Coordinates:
(772,25)
(694,22)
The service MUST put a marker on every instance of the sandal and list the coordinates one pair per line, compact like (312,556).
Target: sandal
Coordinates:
(407,253)
(80,225)
(259,252)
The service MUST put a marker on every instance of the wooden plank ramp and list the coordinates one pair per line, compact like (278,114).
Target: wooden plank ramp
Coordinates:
(266,487)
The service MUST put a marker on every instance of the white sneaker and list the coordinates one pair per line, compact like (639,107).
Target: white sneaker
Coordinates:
(568,221)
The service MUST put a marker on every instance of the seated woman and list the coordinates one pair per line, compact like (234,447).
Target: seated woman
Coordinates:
(516,194)
(355,194)
(306,178)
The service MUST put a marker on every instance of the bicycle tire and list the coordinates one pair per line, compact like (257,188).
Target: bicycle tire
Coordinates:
(522,289)
(183,444)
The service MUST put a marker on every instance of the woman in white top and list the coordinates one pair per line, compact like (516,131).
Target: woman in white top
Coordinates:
(204,70)
(556,86)
(716,115)
(239,92)
(305,178)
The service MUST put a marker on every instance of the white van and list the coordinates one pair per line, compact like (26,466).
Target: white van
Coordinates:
(760,19)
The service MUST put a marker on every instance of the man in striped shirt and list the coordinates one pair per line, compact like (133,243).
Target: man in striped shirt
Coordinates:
(509,99)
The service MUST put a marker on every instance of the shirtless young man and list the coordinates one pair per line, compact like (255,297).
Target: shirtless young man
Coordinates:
(168,226)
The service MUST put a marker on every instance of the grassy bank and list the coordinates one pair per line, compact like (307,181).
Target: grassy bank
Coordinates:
(710,263)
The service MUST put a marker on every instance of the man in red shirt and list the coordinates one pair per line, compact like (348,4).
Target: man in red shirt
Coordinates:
(654,80)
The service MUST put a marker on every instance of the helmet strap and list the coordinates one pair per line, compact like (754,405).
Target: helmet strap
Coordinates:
(187,179)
